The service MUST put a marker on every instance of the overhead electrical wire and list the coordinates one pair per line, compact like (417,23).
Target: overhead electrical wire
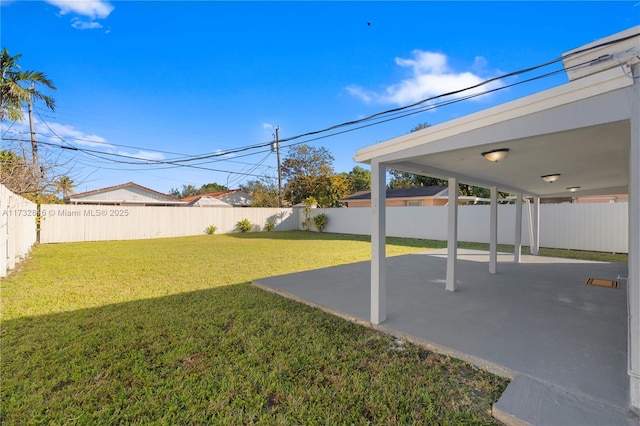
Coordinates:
(371,120)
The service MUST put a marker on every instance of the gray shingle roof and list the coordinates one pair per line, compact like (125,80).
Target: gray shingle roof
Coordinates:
(422,191)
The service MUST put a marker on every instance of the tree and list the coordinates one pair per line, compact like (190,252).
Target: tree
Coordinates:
(190,190)
(18,90)
(409,180)
(336,188)
(64,186)
(212,187)
(17,87)
(17,175)
(359,179)
(186,191)
(306,171)
(264,193)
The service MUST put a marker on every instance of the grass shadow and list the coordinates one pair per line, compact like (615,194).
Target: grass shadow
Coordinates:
(229,355)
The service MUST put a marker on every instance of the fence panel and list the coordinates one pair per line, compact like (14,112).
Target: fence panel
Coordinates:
(17,229)
(72,223)
(596,227)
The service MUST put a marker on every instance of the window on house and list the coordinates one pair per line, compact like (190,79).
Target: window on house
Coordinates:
(415,203)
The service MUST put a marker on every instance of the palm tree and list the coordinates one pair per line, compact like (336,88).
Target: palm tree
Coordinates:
(18,87)
(65,186)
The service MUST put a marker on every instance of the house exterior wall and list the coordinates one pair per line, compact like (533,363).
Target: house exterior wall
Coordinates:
(434,202)
(241,199)
(129,194)
(401,202)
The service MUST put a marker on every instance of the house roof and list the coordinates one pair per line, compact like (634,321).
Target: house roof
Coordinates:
(580,129)
(90,194)
(213,195)
(207,201)
(417,192)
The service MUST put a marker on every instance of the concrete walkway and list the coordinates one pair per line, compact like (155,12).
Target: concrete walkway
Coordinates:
(563,342)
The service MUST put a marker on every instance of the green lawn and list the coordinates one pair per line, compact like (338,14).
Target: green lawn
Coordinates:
(169,331)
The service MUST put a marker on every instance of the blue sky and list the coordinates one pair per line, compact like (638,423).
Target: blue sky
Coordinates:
(159,80)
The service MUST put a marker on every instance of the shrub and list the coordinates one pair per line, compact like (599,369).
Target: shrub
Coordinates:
(270,225)
(309,203)
(320,221)
(243,225)
(211,229)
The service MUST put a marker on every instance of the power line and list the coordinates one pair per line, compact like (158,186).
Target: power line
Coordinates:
(371,120)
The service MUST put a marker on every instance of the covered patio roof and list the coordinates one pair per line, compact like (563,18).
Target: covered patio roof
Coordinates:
(579,129)
(587,131)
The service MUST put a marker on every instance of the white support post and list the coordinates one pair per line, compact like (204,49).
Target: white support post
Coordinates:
(535,244)
(633,280)
(493,232)
(452,235)
(378,239)
(517,244)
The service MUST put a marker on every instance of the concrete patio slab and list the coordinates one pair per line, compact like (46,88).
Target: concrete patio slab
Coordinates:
(537,318)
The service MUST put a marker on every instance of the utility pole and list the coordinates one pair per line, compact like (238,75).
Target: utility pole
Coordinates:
(34,144)
(279,172)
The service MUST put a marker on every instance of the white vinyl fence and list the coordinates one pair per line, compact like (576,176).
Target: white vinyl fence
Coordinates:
(72,223)
(597,227)
(594,227)
(17,229)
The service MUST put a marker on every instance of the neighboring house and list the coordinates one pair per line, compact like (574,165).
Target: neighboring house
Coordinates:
(233,197)
(414,197)
(206,201)
(128,194)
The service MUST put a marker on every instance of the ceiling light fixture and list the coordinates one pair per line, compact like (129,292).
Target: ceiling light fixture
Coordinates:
(496,155)
(551,178)
(573,188)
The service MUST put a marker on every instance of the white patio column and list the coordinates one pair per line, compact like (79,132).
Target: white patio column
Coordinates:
(535,244)
(517,243)
(378,240)
(452,235)
(633,280)
(493,232)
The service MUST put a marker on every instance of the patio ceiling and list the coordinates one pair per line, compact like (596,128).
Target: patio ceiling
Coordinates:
(552,133)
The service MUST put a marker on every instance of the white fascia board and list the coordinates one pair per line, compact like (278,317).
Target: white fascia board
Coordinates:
(606,81)
(579,63)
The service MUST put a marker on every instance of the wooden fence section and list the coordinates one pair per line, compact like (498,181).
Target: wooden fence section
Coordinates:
(72,223)
(17,229)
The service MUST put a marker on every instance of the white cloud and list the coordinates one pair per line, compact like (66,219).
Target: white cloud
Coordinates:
(58,134)
(221,153)
(79,24)
(144,155)
(480,63)
(430,76)
(359,92)
(267,126)
(93,9)
(72,135)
